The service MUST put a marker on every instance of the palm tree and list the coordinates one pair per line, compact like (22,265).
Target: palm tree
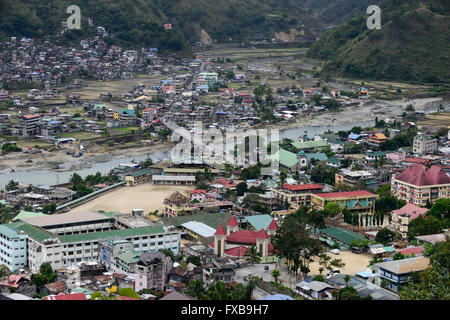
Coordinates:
(346,278)
(276,274)
(12,185)
(195,289)
(253,254)
(228,169)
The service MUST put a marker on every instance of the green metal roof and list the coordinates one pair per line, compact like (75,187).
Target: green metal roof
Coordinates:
(342,235)
(27,214)
(139,173)
(310,144)
(127,111)
(33,232)
(129,256)
(317,156)
(259,222)
(334,160)
(286,158)
(111,234)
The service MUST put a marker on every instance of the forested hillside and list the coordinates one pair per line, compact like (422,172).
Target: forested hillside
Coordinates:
(413,44)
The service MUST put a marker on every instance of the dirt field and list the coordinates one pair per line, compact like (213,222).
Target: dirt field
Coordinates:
(437,120)
(353,263)
(144,196)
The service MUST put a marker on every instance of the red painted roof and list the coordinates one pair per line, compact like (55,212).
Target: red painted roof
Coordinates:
(220,231)
(75,296)
(30,116)
(232,222)
(273,225)
(236,251)
(413,250)
(417,160)
(261,234)
(244,236)
(412,210)
(302,187)
(345,194)
(197,191)
(418,176)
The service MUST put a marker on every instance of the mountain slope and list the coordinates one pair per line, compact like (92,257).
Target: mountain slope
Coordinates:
(412,45)
(141,21)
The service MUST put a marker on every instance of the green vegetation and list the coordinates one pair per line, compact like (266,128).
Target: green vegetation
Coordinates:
(413,30)
(141,22)
(45,275)
(219,291)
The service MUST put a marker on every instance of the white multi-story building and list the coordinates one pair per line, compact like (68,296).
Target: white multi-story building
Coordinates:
(65,239)
(423,144)
(13,248)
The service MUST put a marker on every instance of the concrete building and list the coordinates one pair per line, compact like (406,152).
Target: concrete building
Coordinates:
(395,274)
(65,239)
(13,248)
(361,202)
(423,144)
(418,185)
(297,195)
(29,124)
(151,271)
(403,216)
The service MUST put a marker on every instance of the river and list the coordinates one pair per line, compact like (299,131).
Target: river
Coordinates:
(45,177)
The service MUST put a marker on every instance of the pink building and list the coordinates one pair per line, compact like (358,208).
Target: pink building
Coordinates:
(396,156)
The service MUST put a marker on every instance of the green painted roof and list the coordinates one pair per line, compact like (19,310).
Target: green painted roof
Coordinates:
(286,158)
(334,160)
(111,234)
(259,222)
(3,202)
(317,156)
(33,232)
(27,214)
(129,256)
(342,235)
(139,173)
(127,111)
(310,144)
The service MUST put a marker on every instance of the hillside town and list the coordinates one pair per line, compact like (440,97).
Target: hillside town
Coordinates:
(350,214)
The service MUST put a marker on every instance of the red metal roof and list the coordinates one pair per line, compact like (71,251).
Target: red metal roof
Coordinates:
(236,251)
(301,187)
(412,210)
(220,231)
(417,160)
(75,296)
(197,191)
(273,225)
(232,222)
(418,176)
(345,194)
(413,250)
(30,116)
(261,234)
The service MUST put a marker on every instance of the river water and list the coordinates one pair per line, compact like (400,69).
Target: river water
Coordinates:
(45,177)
